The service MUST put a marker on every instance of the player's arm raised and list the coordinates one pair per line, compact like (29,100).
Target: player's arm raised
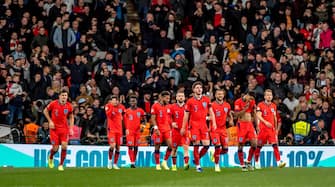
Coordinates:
(47,115)
(239,113)
(185,121)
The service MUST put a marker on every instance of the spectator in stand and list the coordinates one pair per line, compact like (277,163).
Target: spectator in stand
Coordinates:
(43,136)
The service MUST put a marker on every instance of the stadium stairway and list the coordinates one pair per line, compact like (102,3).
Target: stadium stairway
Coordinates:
(133,16)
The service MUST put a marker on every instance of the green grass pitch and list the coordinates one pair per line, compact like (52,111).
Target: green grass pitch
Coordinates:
(232,177)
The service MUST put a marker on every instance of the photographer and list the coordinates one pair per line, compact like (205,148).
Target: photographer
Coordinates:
(89,122)
(43,136)
(316,134)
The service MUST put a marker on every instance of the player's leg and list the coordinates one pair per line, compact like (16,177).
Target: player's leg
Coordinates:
(217,146)
(252,137)
(224,143)
(195,136)
(157,142)
(175,144)
(130,144)
(167,138)
(260,142)
(204,136)
(54,149)
(63,138)
(274,141)
(112,145)
(185,142)
(117,151)
(241,135)
(138,140)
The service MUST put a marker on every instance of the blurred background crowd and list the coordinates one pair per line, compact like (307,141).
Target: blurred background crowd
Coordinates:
(95,48)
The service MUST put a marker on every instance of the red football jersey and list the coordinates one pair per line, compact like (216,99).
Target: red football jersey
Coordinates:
(132,119)
(162,113)
(221,111)
(269,111)
(198,110)
(59,113)
(240,104)
(114,117)
(177,114)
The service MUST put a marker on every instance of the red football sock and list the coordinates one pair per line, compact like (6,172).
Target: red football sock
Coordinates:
(174,160)
(224,151)
(131,154)
(217,154)
(110,153)
(276,152)
(62,156)
(186,159)
(203,151)
(241,157)
(116,157)
(135,153)
(251,153)
(157,155)
(196,154)
(257,153)
(52,153)
(167,153)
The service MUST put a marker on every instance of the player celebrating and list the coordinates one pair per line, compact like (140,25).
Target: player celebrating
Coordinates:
(162,130)
(114,111)
(177,114)
(132,120)
(196,110)
(61,110)
(268,128)
(244,110)
(219,136)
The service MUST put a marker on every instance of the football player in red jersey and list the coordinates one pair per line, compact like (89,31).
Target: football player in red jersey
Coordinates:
(245,112)
(132,120)
(114,113)
(61,110)
(160,119)
(177,115)
(219,136)
(268,128)
(196,110)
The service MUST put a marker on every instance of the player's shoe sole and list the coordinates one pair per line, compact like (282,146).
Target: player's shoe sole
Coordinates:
(244,169)
(165,166)
(158,167)
(174,168)
(217,169)
(60,168)
(51,163)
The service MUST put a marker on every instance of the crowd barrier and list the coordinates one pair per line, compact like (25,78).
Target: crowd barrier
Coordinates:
(32,155)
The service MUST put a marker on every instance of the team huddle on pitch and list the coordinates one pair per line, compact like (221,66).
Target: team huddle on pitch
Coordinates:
(179,124)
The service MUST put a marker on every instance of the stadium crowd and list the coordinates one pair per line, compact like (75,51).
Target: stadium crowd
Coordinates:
(91,49)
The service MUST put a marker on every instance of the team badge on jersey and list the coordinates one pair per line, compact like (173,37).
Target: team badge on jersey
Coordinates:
(265,113)
(272,110)
(225,109)
(204,104)
(120,110)
(138,114)
(217,113)
(66,111)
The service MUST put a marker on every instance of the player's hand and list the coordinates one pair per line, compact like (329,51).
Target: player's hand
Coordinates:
(71,132)
(51,125)
(127,132)
(268,124)
(182,131)
(174,125)
(214,126)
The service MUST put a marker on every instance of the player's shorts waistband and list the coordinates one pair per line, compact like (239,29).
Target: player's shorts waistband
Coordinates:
(245,122)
